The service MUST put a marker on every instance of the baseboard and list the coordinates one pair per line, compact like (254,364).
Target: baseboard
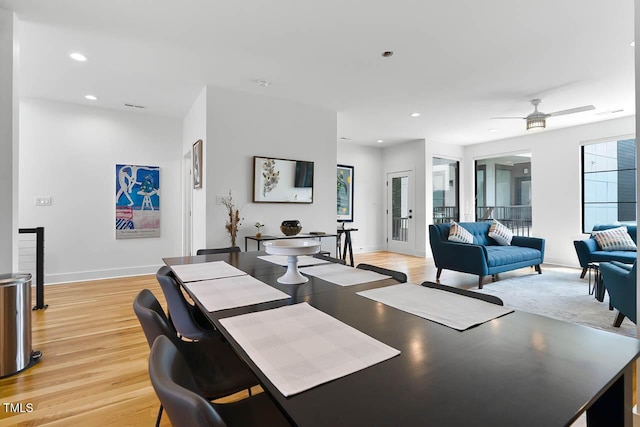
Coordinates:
(560,262)
(81,276)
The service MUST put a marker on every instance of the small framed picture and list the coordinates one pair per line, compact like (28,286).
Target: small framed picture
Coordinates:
(197,164)
(345,193)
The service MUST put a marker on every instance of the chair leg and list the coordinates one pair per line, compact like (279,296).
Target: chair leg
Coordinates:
(618,321)
(159,416)
(539,269)
(480,280)
(584,272)
(438,273)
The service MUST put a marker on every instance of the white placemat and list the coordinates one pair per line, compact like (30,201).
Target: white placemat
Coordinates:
(205,270)
(343,275)
(299,347)
(449,309)
(230,292)
(303,261)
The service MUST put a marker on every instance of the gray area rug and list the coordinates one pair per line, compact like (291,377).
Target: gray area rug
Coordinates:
(561,294)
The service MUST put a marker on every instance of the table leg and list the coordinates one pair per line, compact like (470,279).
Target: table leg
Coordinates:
(349,246)
(614,407)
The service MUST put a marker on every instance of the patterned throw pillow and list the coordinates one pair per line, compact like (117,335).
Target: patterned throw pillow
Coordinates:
(500,233)
(459,234)
(614,239)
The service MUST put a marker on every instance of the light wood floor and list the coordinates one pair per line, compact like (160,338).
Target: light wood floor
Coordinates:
(94,365)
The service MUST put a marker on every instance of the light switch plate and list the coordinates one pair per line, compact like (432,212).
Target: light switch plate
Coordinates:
(42,201)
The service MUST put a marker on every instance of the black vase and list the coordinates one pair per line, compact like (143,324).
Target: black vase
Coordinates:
(290,227)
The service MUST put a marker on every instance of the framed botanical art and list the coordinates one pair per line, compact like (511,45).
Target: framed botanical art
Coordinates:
(345,193)
(197,164)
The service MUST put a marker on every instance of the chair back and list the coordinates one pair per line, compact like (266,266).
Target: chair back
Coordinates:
(229,250)
(177,389)
(330,259)
(398,275)
(186,318)
(152,318)
(465,292)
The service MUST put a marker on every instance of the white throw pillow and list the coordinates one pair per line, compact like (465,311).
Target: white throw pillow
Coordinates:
(500,233)
(614,239)
(459,234)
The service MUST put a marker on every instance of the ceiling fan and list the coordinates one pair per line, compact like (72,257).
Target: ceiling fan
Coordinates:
(538,120)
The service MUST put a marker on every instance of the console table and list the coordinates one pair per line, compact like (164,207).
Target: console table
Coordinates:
(265,237)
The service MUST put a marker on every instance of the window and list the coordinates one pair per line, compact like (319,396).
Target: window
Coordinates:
(445,190)
(608,183)
(503,191)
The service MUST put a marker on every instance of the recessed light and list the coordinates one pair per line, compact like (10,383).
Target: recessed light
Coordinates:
(387,53)
(493,130)
(379,141)
(78,57)
(415,114)
(91,97)
(633,43)
(263,83)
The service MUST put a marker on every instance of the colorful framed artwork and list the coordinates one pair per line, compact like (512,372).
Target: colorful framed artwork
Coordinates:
(137,201)
(197,164)
(345,193)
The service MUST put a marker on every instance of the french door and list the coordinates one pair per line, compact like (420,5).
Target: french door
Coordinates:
(400,205)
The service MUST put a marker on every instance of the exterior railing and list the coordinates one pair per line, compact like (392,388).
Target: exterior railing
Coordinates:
(517,218)
(445,214)
(400,228)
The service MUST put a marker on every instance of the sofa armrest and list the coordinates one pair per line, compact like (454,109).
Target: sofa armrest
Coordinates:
(465,257)
(528,242)
(584,248)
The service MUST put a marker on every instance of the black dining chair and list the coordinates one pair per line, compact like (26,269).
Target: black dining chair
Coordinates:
(330,258)
(180,395)
(465,292)
(217,370)
(229,250)
(186,317)
(398,275)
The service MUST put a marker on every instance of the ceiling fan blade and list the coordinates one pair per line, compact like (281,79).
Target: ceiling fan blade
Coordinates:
(572,111)
(521,118)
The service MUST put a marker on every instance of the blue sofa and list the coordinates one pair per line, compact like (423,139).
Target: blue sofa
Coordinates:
(588,251)
(484,256)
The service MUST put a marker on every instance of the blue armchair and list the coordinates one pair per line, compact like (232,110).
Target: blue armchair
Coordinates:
(620,281)
(588,251)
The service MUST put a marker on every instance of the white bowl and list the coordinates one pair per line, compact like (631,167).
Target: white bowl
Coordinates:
(291,247)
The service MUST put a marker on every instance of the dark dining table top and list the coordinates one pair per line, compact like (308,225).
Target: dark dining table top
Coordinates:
(521,369)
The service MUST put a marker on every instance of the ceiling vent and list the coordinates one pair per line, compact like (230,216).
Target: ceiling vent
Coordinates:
(134,106)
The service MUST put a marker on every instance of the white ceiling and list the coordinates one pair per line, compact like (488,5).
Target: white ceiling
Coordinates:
(456,62)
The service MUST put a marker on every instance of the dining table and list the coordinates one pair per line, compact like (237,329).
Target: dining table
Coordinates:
(520,369)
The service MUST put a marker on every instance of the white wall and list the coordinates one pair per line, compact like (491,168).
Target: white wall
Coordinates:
(69,152)
(555,180)
(240,126)
(411,156)
(8,144)
(194,127)
(369,202)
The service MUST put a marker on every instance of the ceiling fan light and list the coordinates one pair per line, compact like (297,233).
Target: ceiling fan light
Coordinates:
(533,124)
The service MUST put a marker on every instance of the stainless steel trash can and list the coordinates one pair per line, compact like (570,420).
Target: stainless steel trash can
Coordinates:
(16,353)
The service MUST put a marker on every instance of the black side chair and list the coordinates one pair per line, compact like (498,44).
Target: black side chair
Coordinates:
(330,259)
(398,275)
(217,370)
(471,294)
(229,250)
(186,317)
(184,403)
